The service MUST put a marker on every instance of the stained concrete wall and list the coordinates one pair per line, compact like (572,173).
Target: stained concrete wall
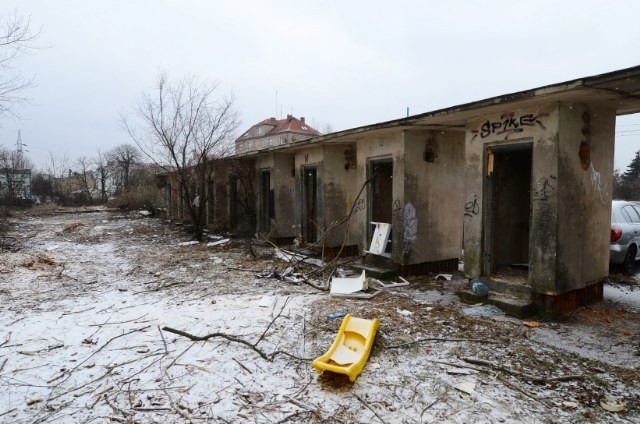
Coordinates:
(585,169)
(309,157)
(336,192)
(282,181)
(570,196)
(339,192)
(373,147)
(537,126)
(429,217)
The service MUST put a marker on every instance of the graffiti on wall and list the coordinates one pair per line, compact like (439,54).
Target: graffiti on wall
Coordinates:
(410,227)
(508,124)
(545,188)
(360,205)
(599,187)
(472,208)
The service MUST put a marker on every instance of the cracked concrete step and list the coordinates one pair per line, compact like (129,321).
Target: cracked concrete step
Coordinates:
(514,306)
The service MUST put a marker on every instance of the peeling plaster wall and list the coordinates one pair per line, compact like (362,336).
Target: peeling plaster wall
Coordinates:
(429,220)
(584,195)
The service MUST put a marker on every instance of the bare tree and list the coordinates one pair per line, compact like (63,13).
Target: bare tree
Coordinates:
(103,174)
(16,39)
(84,177)
(56,171)
(185,124)
(124,156)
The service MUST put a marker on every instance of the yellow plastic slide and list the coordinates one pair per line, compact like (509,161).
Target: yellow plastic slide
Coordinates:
(350,350)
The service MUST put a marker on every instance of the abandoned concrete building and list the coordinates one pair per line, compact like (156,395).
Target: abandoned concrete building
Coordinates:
(517,185)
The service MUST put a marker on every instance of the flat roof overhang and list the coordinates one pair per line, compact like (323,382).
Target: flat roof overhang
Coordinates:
(618,90)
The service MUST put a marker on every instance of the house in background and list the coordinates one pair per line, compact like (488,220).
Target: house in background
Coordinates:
(274,132)
(15,187)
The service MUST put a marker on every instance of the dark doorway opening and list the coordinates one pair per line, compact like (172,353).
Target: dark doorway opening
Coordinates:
(381,195)
(509,205)
(309,196)
(210,203)
(267,208)
(233,203)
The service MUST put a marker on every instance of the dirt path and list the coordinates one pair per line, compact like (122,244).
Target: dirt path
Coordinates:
(84,299)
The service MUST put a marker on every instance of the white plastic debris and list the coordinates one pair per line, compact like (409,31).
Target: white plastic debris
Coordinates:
(218,243)
(349,285)
(188,243)
(144,213)
(404,312)
(468,387)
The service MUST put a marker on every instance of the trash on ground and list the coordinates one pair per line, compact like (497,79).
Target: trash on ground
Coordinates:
(612,405)
(217,261)
(482,311)
(390,285)
(188,243)
(218,243)
(468,387)
(479,288)
(458,371)
(144,213)
(296,257)
(404,312)
(351,348)
(532,324)
(446,277)
(349,285)
(569,404)
(338,314)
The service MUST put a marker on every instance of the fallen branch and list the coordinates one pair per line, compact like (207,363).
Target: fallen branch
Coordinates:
(229,337)
(440,339)
(530,377)
(236,339)
(370,408)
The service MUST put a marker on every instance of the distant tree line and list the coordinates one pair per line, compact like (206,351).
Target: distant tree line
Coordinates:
(626,186)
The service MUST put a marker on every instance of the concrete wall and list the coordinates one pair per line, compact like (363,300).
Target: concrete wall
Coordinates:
(282,180)
(584,195)
(339,191)
(384,146)
(429,217)
(570,197)
(537,126)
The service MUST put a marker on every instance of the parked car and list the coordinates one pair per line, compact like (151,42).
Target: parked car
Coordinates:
(625,234)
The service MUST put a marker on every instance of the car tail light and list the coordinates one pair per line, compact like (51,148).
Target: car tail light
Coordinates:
(616,233)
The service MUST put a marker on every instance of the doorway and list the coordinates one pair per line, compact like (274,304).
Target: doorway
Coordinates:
(381,196)
(267,208)
(309,196)
(509,205)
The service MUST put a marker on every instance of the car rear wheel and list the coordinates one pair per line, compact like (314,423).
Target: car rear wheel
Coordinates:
(629,264)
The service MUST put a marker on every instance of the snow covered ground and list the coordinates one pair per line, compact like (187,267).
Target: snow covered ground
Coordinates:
(84,301)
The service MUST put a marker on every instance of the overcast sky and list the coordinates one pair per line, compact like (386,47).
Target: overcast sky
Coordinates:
(339,63)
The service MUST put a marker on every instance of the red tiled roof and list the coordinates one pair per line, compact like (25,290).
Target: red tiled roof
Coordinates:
(278,126)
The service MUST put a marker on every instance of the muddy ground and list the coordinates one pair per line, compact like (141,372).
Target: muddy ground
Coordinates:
(85,295)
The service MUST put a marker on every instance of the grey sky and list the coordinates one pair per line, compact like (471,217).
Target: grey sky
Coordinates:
(343,63)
